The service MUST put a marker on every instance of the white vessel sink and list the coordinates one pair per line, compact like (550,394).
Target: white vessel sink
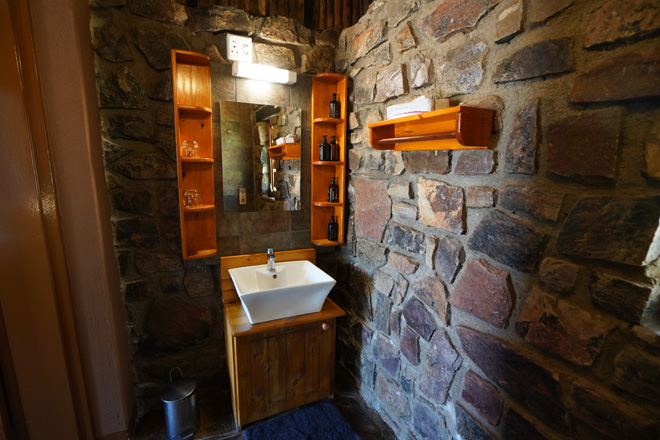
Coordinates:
(295,288)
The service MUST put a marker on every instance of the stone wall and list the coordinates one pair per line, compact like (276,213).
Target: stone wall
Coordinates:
(173,308)
(499,293)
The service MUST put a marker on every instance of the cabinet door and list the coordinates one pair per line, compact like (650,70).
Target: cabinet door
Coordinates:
(287,370)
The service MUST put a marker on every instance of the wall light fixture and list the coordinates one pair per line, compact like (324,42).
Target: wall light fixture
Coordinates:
(262,72)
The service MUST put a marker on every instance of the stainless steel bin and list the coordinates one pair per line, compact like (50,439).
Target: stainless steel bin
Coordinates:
(181,410)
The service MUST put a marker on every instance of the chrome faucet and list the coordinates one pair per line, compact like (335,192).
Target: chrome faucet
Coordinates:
(271,260)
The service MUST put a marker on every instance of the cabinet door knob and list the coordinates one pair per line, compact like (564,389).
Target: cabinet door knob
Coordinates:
(325,327)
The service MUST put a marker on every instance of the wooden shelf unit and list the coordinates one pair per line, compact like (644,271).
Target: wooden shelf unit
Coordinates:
(323,86)
(454,128)
(191,83)
(286,151)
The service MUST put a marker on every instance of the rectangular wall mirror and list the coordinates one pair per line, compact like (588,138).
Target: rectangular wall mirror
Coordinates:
(261,168)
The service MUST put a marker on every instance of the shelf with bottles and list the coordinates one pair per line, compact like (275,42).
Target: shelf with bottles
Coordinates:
(191,85)
(321,216)
(325,87)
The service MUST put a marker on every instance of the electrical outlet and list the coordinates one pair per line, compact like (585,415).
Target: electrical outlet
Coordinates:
(242,196)
(239,48)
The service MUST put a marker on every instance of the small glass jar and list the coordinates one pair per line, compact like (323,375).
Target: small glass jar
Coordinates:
(192,197)
(189,149)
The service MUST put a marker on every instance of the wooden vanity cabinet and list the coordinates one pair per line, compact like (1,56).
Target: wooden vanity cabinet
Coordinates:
(277,365)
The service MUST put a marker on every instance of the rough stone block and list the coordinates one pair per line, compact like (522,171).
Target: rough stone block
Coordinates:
(453,16)
(400,290)
(364,87)
(402,264)
(404,238)
(387,354)
(428,423)
(556,326)
(134,199)
(138,232)
(558,276)
(276,56)
(394,163)
(419,319)
(137,290)
(461,70)
(410,345)
(619,230)
(537,203)
(390,83)
(391,394)
(623,298)
(509,21)
(395,323)
(382,313)
(617,21)
(285,30)
(148,263)
(406,38)
(439,368)
(421,73)
(371,253)
(176,324)
(122,90)
(637,373)
(536,60)
(199,281)
(109,41)
(440,205)
(480,197)
(520,155)
(383,282)
(404,211)
(373,208)
(607,416)
(585,146)
(156,46)
(473,162)
(448,258)
(483,397)
(434,294)
(485,292)
(400,190)
(629,76)
(436,162)
(530,384)
(469,428)
(320,59)
(516,427)
(507,241)
(146,166)
(166,11)
(363,39)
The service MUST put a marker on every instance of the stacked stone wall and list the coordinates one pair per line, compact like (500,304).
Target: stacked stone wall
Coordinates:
(501,293)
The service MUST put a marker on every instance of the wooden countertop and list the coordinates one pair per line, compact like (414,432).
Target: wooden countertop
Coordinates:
(240,325)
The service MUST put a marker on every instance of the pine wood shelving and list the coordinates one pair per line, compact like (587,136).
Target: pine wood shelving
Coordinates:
(286,151)
(454,128)
(191,83)
(323,86)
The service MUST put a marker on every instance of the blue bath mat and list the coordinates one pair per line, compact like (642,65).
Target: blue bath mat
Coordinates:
(318,421)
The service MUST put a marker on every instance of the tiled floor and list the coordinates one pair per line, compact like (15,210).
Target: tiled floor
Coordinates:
(218,421)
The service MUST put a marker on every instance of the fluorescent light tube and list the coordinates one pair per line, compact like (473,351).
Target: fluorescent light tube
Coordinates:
(262,72)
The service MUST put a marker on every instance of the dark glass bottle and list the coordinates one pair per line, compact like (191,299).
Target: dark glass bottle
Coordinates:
(334,149)
(333,191)
(333,229)
(324,149)
(335,107)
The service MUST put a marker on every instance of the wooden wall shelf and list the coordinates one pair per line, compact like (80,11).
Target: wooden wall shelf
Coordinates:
(191,83)
(323,86)
(454,128)
(286,151)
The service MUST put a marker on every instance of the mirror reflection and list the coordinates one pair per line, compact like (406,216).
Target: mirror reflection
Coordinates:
(261,167)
